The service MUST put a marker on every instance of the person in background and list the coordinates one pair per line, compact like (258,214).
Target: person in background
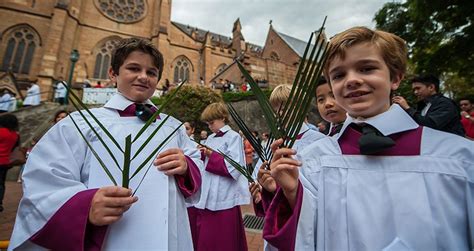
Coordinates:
(265,138)
(322,127)
(467,117)
(216,218)
(309,125)
(203,137)
(33,95)
(9,139)
(189,129)
(328,109)
(433,109)
(5,100)
(13,103)
(60,92)
(59,115)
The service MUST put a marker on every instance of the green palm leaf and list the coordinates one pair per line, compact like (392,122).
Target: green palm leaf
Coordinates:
(102,164)
(150,137)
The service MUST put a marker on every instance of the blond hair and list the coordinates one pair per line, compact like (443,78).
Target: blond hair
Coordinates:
(392,48)
(215,111)
(279,96)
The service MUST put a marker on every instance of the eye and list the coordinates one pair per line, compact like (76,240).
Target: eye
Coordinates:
(152,73)
(368,68)
(133,68)
(320,100)
(337,75)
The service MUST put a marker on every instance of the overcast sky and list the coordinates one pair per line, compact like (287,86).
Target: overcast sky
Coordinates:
(292,17)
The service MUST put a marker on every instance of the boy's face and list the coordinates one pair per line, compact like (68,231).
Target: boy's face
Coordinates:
(189,129)
(361,81)
(327,106)
(137,77)
(215,125)
(465,105)
(422,91)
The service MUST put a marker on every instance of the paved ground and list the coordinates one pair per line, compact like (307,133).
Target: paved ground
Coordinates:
(14,193)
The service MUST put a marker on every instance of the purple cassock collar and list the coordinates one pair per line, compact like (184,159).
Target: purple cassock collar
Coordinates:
(126,107)
(395,123)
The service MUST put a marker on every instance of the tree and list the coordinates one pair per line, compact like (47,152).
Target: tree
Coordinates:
(189,103)
(439,34)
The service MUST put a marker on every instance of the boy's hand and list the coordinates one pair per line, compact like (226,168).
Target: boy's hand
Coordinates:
(254,189)
(265,179)
(171,162)
(109,204)
(205,150)
(401,101)
(284,169)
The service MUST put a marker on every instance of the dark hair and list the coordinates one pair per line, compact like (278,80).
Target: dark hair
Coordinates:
(428,79)
(129,45)
(57,114)
(322,80)
(9,121)
(470,99)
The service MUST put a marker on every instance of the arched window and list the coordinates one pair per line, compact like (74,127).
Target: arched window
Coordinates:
(220,68)
(102,59)
(181,69)
(20,48)
(274,56)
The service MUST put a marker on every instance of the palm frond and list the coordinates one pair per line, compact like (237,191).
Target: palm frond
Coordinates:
(242,170)
(102,164)
(126,161)
(150,137)
(83,106)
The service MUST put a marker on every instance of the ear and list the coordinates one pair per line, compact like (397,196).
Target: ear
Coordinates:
(112,75)
(396,80)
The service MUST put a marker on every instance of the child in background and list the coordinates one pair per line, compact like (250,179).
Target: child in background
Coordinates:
(69,202)
(383,182)
(216,219)
(328,109)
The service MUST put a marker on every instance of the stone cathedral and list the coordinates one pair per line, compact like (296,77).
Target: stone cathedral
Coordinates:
(37,37)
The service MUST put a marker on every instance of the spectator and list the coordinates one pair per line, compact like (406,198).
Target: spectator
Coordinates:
(99,85)
(13,103)
(226,86)
(203,136)
(87,83)
(60,92)
(244,87)
(61,114)
(9,139)
(5,100)
(265,138)
(322,127)
(248,149)
(33,95)
(433,109)
(310,126)
(201,81)
(467,116)
(189,129)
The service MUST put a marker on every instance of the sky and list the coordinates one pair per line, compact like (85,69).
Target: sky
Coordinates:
(296,18)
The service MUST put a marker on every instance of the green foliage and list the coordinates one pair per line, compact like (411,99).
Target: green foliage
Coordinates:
(189,103)
(439,33)
(458,87)
(238,96)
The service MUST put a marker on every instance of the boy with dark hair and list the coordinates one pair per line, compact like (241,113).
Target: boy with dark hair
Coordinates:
(433,109)
(68,203)
(383,182)
(328,109)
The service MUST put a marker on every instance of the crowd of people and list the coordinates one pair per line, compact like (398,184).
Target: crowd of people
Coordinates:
(383,176)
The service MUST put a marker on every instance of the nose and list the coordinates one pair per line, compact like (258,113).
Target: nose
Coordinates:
(143,76)
(329,103)
(353,80)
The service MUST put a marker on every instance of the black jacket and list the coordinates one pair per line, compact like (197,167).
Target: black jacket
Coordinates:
(443,114)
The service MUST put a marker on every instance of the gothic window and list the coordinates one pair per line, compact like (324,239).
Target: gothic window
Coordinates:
(102,59)
(181,69)
(19,50)
(124,11)
(220,68)
(274,56)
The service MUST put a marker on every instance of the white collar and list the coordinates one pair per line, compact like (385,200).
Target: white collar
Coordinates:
(119,102)
(225,128)
(304,128)
(394,120)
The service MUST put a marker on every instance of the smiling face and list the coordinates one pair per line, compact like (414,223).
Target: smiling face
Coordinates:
(327,106)
(361,81)
(137,77)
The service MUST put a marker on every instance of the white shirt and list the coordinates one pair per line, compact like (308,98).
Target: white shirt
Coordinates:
(218,192)
(33,96)
(62,165)
(5,102)
(61,90)
(361,202)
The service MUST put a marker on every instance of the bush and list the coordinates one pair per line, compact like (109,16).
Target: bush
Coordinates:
(189,103)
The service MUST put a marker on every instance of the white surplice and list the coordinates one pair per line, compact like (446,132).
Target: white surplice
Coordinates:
(33,95)
(61,165)
(218,192)
(357,202)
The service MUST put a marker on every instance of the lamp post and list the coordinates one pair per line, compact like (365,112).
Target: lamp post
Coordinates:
(74,58)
